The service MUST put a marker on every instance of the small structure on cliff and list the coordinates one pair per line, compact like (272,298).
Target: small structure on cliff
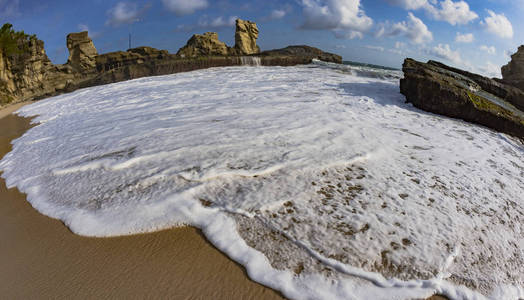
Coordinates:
(513,72)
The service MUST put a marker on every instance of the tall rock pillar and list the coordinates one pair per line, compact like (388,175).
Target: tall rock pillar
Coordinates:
(246,36)
(82,51)
(513,72)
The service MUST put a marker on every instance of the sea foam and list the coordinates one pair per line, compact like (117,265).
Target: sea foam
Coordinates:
(323,184)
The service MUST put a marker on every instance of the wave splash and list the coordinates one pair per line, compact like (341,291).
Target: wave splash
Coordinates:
(331,189)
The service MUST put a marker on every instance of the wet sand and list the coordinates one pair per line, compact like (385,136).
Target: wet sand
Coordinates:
(41,258)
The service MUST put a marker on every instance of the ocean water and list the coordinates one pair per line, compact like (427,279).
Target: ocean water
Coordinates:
(318,179)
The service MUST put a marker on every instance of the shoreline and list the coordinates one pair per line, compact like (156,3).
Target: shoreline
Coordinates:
(40,257)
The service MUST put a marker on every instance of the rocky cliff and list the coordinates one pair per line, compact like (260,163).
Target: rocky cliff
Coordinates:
(513,72)
(305,52)
(440,89)
(206,44)
(82,51)
(246,35)
(28,74)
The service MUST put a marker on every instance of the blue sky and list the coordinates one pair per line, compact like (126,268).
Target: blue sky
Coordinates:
(476,35)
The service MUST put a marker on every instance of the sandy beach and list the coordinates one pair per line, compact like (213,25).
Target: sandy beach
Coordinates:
(41,258)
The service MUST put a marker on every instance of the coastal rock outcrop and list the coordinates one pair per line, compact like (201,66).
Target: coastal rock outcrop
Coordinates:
(440,89)
(27,73)
(206,44)
(82,51)
(513,72)
(306,52)
(246,35)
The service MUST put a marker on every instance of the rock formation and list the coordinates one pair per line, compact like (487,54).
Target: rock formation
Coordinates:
(29,74)
(306,52)
(513,72)
(246,35)
(440,89)
(82,51)
(206,44)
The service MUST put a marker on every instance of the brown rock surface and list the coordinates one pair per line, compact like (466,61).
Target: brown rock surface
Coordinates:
(305,52)
(437,88)
(246,35)
(82,51)
(513,72)
(206,44)
(29,74)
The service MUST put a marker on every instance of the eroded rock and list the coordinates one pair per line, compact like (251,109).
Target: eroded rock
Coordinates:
(206,44)
(440,89)
(29,74)
(82,51)
(305,52)
(246,35)
(513,72)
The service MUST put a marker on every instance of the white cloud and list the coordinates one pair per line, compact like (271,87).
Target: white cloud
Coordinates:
(445,52)
(277,14)
(498,25)
(489,50)
(83,27)
(205,23)
(508,53)
(124,13)
(376,48)
(491,70)
(400,45)
(452,12)
(409,4)
(414,29)
(464,38)
(185,7)
(347,35)
(446,10)
(345,17)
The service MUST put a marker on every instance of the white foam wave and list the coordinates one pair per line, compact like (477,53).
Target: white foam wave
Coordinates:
(381,195)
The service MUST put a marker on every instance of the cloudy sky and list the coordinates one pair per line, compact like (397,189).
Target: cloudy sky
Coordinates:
(477,35)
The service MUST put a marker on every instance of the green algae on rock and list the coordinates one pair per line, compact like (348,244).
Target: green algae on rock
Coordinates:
(440,89)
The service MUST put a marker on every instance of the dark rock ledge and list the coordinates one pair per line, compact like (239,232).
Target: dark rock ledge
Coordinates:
(455,93)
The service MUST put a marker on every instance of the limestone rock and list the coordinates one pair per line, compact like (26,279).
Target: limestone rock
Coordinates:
(29,74)
(437,88)
(82,51)
(513,72)
(246,35)
(306,52)
(206,44)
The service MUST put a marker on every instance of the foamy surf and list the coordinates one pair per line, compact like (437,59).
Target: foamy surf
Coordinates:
(322,189)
